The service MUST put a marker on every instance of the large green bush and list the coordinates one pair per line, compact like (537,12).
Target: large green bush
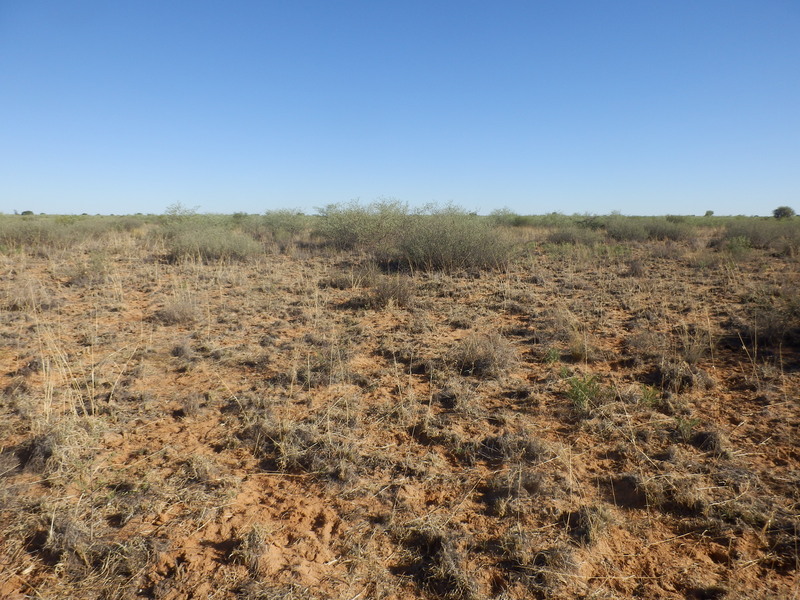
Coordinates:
(781,235)
(210,243)
(434,238)
(353,226)
(451,239)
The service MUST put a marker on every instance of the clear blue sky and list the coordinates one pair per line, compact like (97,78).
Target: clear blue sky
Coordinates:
(641,106)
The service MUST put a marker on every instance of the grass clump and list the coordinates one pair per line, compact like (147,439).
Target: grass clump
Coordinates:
(483,355)
(248,547)
(392,291)
(59,449)
(770,319)
(508,493)
(439,566)
(521,447)
(305,448)
(541,570)
(181,310)
(587,524)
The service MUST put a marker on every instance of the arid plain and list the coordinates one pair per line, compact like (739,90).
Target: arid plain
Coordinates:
(283,406)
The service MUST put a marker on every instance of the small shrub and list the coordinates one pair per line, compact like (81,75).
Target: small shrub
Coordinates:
(284,226)
(551,356)
(508,218)
(738,247)
(783,212)
(684,428)
(585,393)
(650,396)
(780,235)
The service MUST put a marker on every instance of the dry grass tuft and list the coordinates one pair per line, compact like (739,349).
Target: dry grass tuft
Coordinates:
(483,355)
(439,566)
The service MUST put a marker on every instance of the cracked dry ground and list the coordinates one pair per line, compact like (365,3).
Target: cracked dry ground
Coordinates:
(607,422)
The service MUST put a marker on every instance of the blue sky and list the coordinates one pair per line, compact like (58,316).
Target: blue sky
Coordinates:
(587,106)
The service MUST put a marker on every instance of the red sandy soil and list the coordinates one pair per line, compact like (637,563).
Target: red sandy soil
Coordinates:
(296,427)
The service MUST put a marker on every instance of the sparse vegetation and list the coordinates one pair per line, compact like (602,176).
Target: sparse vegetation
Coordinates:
(378,402)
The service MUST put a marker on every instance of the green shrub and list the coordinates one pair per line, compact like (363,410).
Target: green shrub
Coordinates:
(354,226)
(507,218)
(450,239)
(433,239)
(574,235)
(284,226)
(209,244)
(586,394)
(625,229)
(669,228)
(782,235)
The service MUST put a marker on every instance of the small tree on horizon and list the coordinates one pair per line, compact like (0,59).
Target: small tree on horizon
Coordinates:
(783,212)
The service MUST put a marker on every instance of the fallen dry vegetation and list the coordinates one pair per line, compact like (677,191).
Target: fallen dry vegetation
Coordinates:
(593,409)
